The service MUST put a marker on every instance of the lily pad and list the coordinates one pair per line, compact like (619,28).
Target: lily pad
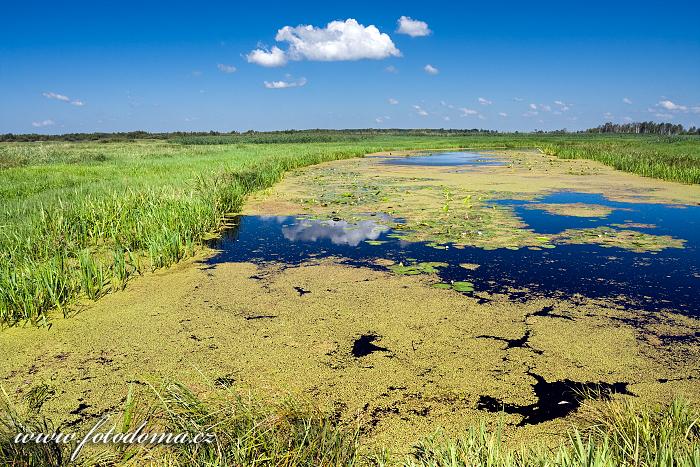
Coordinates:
(375,242)
(417,268)
(463,286)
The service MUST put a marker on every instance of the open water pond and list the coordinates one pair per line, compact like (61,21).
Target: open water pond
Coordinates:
(653,280)
(445,158)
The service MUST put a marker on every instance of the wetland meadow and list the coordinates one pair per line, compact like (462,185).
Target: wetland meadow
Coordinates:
(342,298)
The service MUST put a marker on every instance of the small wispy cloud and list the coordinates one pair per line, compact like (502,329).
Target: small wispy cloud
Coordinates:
(608,115)
(531,113)
(391,69)
(518,99)
(431,70)
(392,101)
(226,68)
(43,123)
(420,111)
(533,106)
(413,27)
(484,101)
(197,73)
(468,112)
(63,98)
(382,119)
(285,84)
(56,96)
(502,114)
(627,100)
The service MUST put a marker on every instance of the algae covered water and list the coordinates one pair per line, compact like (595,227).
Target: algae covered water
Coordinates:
(651,280)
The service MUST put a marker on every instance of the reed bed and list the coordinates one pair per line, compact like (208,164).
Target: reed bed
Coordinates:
(249,432)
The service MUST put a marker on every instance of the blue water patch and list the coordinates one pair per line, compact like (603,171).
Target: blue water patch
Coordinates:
(445,158)
(680,221)
(669,279)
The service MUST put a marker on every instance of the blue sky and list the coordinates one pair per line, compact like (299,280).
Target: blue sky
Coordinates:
(82,67)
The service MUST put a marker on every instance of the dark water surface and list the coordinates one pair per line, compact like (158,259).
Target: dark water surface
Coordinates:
(653,280)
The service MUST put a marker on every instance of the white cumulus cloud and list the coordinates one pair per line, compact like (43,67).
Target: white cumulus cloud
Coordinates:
(484,101)
(392,101)
(668,105)
(226,68)
(270,58)
(285,84)
(339,40)
(468,112)
(627,100)
(413,27)
(431,70)
(77,103)
(503,114)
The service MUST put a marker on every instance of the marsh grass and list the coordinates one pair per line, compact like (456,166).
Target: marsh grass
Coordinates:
(82,219)
(249,432)
(85,231)
(676,159)
(617,433)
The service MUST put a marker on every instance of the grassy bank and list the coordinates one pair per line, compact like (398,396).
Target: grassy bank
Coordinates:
(248,433)
(81,219)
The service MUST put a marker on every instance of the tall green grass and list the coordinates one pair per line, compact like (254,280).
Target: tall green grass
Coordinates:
(675,158)
(81,219)
(72,225)
(250,433)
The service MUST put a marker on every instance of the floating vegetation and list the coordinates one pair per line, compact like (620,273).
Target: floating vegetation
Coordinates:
(459,286)
(634,225)
(463,286)
(375,242)
(429,267)
(626,239)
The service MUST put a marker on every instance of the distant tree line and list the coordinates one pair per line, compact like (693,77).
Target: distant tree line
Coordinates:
(136,135)
(643,128)
(335,135)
